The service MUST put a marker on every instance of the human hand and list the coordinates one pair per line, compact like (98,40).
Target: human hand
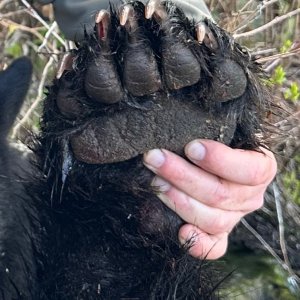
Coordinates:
(212,192)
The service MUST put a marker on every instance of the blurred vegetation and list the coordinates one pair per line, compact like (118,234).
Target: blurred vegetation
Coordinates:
(270,29)
(258,276)
(291,181)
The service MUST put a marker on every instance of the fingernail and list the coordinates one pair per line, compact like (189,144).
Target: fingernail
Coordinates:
(160,184)
(195,151)
(154,158)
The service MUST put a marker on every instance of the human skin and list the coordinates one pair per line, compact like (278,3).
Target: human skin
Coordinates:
(212,191)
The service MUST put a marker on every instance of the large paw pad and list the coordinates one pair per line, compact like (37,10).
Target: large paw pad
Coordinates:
(151,78)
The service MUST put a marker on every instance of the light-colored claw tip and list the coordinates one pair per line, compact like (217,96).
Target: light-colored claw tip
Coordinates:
(156,10)
(150,8)
(127,11)
(102,15)
(102,20)
(200,32)
(66,63)
(205,36)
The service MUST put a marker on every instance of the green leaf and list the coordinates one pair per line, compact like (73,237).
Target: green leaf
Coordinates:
(286,46)
(15,50)
(279,76)
(293,92)
(291,181)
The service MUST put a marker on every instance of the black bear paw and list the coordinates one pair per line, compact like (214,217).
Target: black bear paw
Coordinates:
(151,78)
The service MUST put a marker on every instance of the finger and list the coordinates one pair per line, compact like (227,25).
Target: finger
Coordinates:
(241,166)
(204,246)
(209,219)
(203,186)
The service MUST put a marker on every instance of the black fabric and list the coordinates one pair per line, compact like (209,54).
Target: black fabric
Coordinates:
(73,16)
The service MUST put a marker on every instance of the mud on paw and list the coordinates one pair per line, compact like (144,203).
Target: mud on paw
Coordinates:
(149,77)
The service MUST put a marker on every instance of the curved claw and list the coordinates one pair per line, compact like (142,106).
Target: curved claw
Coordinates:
(205,35)
(102,21)
(126,14)
(200,32)
(74,15)
(65,64)
(154,9)
(151,7)
(128,18)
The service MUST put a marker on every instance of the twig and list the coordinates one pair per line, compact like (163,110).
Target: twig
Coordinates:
(279,55)
(34,13)
(263,242)
(255,15)
(34,31)
(246,5)
(260,6)
(263,51)
(7,23)
(271,251)
(37,100)
(288,120)
(47,35)
(12,14)
(268,25)
(281,225)
(4,3)
(272,65)
(265,4)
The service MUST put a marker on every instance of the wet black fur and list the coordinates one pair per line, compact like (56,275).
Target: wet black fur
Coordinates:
(78,231)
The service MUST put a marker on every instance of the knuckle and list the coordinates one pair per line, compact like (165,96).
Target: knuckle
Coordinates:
(184,204)
(258,174)
(219,224)
(258,203)
(220,194)
(254,203)
(265,171)
(174,169)
(221,251)
(178,175)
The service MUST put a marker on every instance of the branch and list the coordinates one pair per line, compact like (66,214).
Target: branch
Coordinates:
(34,13)
(279,56)
(267,3)
(47,35)
(276,193)
(268,25)
(254,15)
(7,23)
(4,3)
(245,6)
(264,243)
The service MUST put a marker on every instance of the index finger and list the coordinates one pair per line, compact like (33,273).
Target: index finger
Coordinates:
(244,167)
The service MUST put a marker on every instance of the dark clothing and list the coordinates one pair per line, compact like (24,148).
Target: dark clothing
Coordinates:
(73,16)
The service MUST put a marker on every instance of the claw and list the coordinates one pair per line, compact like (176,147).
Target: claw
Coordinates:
(127,16)
(201,32)
(102,20)
(156,10)
(205,35)
(65,64)
(151,7)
